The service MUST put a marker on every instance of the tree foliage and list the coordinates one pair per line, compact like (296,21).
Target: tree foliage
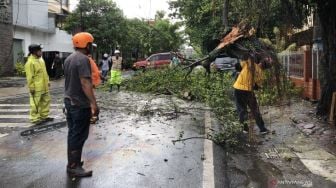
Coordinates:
(204,18)
(111,29)
(101,18)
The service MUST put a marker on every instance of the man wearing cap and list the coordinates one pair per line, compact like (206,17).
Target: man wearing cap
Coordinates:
(116,70)
(38,85)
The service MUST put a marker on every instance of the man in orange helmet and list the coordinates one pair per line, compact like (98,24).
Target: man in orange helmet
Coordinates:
(79,100)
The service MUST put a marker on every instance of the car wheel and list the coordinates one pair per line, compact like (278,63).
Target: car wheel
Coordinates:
(143,69)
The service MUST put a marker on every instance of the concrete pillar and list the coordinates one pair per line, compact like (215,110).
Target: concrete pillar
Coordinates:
(6,38)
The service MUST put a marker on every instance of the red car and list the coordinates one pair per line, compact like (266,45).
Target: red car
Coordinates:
(154,61)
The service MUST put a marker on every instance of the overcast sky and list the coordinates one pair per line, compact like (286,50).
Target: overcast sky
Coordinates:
(137,8)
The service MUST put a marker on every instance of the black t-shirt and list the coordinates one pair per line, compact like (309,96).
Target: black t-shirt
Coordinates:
(76,66)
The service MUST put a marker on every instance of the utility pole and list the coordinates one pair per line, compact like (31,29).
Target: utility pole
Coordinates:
(60,2)
(226,14)
(81,15)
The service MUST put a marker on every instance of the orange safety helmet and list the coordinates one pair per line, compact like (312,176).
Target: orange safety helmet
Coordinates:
(82,39)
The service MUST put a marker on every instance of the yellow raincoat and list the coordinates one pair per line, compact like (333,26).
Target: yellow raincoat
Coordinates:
(246,80)
(38,84)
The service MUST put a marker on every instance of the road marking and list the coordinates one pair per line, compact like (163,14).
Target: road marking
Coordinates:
(14,116)
(15,125)
(4,105)
(208,167)
(24,110)
(3,135)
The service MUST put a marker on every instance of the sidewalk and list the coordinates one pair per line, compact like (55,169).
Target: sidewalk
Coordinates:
(11,86)
(12,82)
(301,153)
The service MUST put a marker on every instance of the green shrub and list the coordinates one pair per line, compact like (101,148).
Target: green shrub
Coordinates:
(269,95)
(20,69)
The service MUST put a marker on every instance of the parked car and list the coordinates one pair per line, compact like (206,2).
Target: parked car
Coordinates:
(224,64)
(154,61)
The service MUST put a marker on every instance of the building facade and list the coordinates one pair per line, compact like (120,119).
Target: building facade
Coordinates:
(39,22)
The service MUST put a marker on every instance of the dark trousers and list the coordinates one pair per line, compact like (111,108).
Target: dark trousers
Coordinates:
(78,120)
(104,74)
(58,72)
(244,99)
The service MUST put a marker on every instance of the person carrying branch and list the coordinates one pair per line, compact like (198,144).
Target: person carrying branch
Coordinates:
(249,79)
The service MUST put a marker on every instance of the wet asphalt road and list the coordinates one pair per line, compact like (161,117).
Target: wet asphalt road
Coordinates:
(130,146)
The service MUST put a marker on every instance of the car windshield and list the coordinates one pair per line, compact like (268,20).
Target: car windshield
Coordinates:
(156,57)
(164,56)
(152,58)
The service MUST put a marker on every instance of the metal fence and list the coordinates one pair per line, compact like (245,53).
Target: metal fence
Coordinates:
(293,63)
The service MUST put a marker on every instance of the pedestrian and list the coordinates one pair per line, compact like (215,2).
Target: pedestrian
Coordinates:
(57,66)
(116,70)
(79,100)
(249,79)
(38,85)
(104,66)
(174,61)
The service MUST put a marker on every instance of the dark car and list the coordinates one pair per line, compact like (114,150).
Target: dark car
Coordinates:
(224,64)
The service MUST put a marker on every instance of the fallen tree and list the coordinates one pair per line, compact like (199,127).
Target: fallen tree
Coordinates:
(239,41)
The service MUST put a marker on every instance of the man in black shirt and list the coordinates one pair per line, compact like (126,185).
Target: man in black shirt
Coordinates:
(79,100)
(57,66)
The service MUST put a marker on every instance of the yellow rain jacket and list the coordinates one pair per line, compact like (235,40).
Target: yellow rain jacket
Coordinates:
(37,76)
(38,81)
(250,75)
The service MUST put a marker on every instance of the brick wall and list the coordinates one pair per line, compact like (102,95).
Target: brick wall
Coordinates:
(310,86)
(6,62)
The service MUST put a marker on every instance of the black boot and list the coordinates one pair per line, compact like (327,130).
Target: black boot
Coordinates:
(110,88)
(118,87)
(74,167)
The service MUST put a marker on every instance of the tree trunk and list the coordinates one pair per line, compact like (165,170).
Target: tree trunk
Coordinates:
(226,15)
(327,16)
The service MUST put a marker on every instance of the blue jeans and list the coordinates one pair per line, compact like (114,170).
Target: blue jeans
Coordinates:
(78,120)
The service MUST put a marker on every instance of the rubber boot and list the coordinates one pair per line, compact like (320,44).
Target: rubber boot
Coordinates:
(74,167)
(118,87)
(110,88)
